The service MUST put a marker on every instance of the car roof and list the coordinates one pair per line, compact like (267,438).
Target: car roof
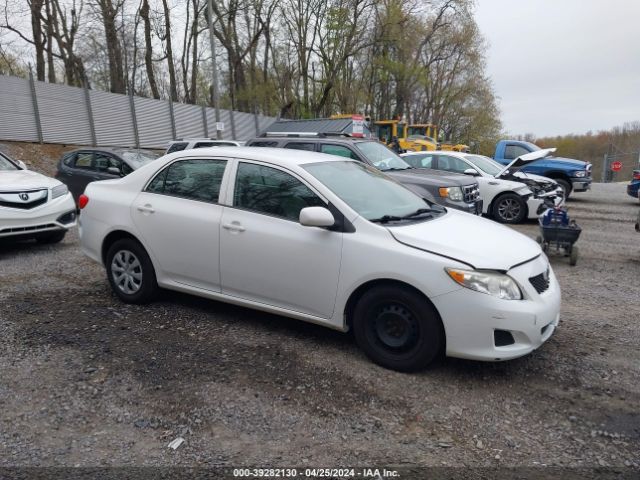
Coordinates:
(278,156)
(301,138)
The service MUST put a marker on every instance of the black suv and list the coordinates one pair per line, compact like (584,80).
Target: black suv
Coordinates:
(451,190)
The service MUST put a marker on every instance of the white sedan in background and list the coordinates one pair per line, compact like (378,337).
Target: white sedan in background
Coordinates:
(33,205)
(327,240)
(508,196)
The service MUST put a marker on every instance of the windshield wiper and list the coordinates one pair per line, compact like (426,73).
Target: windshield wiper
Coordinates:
(391,169)
(420,211)
(386,219)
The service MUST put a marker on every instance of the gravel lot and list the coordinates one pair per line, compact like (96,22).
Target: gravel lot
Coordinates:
(86,380)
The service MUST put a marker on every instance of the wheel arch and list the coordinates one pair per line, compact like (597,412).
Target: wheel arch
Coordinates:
(113,237)
(502,194)
(368,285)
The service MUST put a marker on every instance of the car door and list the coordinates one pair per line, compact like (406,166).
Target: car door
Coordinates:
(266,255)
(178,216)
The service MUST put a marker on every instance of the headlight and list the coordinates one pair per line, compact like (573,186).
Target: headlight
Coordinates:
(580,173)
(454,193)
(59,191)
(492,283)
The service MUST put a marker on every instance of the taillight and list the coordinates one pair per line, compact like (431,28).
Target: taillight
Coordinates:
(82,201)
(636,174)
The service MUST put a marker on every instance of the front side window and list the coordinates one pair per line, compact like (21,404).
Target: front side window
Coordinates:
(272,191)
(381,157)
(514,151)
(452,164)
(192,179)
(104,162)
(486,164)
(338,150)
(366,190)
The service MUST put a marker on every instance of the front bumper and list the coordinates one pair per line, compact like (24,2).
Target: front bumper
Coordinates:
(471,318)
(581,184)
(55,215)
(473,207)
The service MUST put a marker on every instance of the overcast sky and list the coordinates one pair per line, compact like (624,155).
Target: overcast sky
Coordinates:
(563,66)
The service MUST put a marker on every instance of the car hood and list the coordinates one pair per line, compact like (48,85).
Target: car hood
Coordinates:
(428,176)
(476,241)
(25,180)
(535,178)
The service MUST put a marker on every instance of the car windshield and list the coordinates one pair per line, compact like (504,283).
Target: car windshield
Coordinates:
(487,165)
(368,191)
(137,158)
(381,157)
(7,165)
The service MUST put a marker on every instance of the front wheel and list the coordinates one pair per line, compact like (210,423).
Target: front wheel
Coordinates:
(509,208)
(566,187)
(573,257)
(130,272)
(397,328)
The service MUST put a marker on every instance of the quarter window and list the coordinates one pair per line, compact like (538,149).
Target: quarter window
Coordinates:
(272,191)
(192,179)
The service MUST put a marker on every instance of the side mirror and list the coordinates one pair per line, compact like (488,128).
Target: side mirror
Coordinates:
(471,171)
(22,165)
(114,171)
(316,217)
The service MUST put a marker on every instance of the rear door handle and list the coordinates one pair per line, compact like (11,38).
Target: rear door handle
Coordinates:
(145,208)
(233,227)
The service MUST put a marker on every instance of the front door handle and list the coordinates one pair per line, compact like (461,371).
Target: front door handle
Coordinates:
(145,208)
(233,227)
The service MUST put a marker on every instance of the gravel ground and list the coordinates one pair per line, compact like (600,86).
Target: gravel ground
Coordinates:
(86,380)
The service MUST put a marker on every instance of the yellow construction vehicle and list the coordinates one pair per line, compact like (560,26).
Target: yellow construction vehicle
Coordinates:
(430,131)
(387,129)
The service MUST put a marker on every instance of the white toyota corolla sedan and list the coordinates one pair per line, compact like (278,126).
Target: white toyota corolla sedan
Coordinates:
(327,240)
(33,205)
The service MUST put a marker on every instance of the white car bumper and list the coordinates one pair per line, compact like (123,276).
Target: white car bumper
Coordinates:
(58,214)
(534,202)
(475,322)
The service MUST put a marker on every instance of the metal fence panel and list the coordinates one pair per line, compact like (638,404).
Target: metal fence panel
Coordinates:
(245,126)
(63,114)
(112,119)
(154,122)
(225,118)
(188,121)
(16,110)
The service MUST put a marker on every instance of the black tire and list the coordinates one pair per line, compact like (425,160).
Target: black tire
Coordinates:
(566,186)
(397,328)
(573,258)
(130,272)
(53,237)
(539,239)
(509,208)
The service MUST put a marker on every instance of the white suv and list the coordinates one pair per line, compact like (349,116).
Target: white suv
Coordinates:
(328,240)
(33,205)
(189,143)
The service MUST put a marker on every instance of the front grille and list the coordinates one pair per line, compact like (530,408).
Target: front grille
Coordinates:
(540,282)
(14,200)
(34,228)
(471,193)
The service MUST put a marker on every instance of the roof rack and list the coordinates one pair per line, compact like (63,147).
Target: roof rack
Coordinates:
(305,134)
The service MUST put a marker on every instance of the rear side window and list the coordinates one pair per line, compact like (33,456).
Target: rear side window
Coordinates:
(338,150)
(272,191)
(212,144)
(270,144)
(301,146)
(83,160)
(419,161)
(176,147)
(192,179)
(451,164)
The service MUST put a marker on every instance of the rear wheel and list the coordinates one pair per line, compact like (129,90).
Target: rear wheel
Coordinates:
(130,272)
(397,328)
(54,237)
(566,187)
(509,208)
(573,258)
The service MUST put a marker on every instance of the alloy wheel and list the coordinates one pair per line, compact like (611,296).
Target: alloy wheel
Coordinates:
(126,271)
